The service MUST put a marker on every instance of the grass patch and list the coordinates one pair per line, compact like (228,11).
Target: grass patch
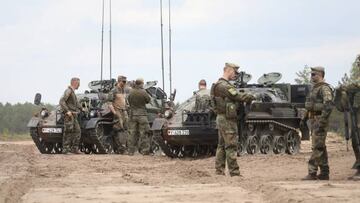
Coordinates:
(15,137)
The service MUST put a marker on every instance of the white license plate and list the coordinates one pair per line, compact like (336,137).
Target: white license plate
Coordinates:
(52,130)
(178,132)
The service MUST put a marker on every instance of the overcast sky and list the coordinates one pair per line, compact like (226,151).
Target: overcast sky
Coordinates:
(43,43)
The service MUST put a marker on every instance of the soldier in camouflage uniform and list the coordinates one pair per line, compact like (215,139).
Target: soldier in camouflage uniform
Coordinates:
(202,97)
(352,96)
(119,109)
(71,108)
(318,109)
(226,99)
(139,124)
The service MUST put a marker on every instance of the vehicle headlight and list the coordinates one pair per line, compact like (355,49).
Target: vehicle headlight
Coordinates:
(168,114)
(93,113)
(44,113)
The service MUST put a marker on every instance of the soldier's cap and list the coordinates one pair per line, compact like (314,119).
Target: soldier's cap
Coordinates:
(317,69)
(139,81)
(202,82)
(233,65)
(122,78)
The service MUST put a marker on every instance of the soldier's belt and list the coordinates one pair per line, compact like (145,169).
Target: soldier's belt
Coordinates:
(314,114)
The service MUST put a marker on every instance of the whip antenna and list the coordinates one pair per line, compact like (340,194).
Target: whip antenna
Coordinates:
(110,40)
(162,46)
(102,40)
(170,73)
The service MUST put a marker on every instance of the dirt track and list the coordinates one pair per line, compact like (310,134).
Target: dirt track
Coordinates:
(28,176)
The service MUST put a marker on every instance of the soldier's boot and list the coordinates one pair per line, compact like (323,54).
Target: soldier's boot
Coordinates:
(324,173)
(310,176)
(235,174)
(356,176)
(323,176)
(219,172)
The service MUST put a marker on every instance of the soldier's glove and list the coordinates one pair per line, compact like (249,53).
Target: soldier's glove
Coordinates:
(249,98)
(322,123)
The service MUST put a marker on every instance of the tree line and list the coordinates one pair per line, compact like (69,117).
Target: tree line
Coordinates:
(14,117)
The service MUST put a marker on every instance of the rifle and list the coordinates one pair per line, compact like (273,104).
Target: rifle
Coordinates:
(347,135)
(354,121)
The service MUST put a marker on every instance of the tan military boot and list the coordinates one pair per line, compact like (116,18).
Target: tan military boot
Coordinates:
(310,176)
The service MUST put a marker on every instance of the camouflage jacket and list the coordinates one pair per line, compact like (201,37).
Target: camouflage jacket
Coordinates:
(223,92)
(69,102)
(353,90)
(138,98)
(320,101)
(202,100)
(118,97)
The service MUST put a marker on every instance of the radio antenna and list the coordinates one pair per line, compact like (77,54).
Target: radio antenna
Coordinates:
(110,40)
(102,40)
(170,73)
(162,45)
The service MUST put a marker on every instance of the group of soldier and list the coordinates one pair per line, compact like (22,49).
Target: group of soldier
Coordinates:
(318,105)
(224,99)
(130,132)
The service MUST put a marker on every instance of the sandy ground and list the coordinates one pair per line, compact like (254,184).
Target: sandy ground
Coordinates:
(28,176)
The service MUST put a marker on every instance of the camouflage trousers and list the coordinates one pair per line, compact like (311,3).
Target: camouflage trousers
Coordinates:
(226,151)
(72,134)
(120,130)
(319,156)
(356,147)
(139,134)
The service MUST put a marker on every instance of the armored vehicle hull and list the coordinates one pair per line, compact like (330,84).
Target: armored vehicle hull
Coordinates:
(96,122)
(271,124)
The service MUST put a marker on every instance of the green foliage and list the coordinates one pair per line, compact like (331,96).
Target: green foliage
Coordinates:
(303,76)
(334,124)
(14,117)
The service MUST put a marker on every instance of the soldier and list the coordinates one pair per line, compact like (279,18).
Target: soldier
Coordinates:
(119,109)
(139,124)
(351,95)
(202,100)
(71,108)
(318,109)
(226,98)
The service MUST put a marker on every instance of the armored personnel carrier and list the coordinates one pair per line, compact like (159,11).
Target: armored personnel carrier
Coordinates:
(271,124)
(96,121)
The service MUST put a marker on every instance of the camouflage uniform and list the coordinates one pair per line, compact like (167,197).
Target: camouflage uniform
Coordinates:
(72,131)
(202,100)
(225,98)
(353,90)
(118,99)
(139,124)
(318,109)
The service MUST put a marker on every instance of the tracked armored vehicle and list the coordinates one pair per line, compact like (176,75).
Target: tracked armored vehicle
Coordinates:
(96,121)
(271,124)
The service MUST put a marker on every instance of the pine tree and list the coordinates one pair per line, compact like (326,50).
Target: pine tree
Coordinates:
(303,76)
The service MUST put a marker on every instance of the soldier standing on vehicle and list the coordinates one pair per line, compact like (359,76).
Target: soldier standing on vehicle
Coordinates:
(226,99)
(139,124)
(318,109)
(71,108)
(351,96)
(202,97)
(119,109)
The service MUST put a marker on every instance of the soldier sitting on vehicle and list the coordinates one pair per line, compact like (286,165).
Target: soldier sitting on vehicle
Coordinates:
(202,97)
